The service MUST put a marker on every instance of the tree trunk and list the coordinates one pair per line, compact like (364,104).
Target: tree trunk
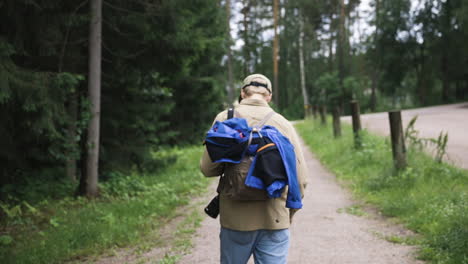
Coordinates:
(398,141)
(245,35)
(229,54)
(81,190)
(421,78)
(459,91)
(447,28)
(330,46)
(275,52)
(375,72)
(356,122)
(305,96)
(315,109)
(445,78)
(70,165)
(341,43)
(336,122)
(373,99)
(94,89)
(323,114)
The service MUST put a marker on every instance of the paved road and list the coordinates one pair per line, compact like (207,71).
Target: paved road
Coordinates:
(322,231)
(431,121)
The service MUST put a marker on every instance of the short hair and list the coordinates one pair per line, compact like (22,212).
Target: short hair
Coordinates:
(250,90)
(257,84)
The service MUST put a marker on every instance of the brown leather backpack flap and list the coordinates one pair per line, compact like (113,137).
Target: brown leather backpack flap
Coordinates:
(233,182)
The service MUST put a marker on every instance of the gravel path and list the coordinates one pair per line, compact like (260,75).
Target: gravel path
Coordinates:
(322,231)
(431,121)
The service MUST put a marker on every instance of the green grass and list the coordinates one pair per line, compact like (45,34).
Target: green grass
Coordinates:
(430,198)
(353,210)
(128,210)
(183,242)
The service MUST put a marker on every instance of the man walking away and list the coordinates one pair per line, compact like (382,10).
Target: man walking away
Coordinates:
(258,227)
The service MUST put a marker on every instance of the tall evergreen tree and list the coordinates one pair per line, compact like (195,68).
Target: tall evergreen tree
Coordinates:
(94,89)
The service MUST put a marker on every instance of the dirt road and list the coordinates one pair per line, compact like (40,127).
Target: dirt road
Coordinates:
(327,230)
(431,121)
(323,232)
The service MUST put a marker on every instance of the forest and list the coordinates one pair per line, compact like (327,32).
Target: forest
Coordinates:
(169,66)
(166,68)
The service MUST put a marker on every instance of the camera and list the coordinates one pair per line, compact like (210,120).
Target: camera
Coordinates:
(212,209)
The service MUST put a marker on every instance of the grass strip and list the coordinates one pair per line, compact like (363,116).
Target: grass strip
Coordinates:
(129,208)
(430,198)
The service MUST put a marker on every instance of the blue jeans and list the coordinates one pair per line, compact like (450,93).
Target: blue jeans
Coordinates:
(267,246)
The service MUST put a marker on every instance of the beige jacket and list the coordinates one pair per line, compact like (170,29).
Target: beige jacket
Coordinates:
(253,215)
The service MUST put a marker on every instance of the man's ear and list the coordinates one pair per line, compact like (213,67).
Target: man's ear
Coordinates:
(268,98)
(242,94)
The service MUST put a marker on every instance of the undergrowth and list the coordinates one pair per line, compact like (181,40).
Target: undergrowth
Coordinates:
(128,209)
(429,197)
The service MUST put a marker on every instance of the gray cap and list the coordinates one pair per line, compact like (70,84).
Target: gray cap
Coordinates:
(257,80)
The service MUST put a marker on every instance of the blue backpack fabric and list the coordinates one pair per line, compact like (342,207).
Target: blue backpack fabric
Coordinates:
(226,141)
(232,139)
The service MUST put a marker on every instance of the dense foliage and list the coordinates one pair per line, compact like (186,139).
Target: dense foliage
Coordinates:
(402,53)
(130,211)
(161,82)
(163,69)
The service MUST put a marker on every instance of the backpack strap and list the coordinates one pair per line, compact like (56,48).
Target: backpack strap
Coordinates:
(265,119)
(258,127)
(231,112)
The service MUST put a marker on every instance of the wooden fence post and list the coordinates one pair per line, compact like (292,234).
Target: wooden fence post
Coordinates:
(355,113)
(307,112)
(398,139)
(336,122)
(323,114)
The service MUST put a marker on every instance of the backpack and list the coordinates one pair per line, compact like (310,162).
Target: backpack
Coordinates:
(238,154)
